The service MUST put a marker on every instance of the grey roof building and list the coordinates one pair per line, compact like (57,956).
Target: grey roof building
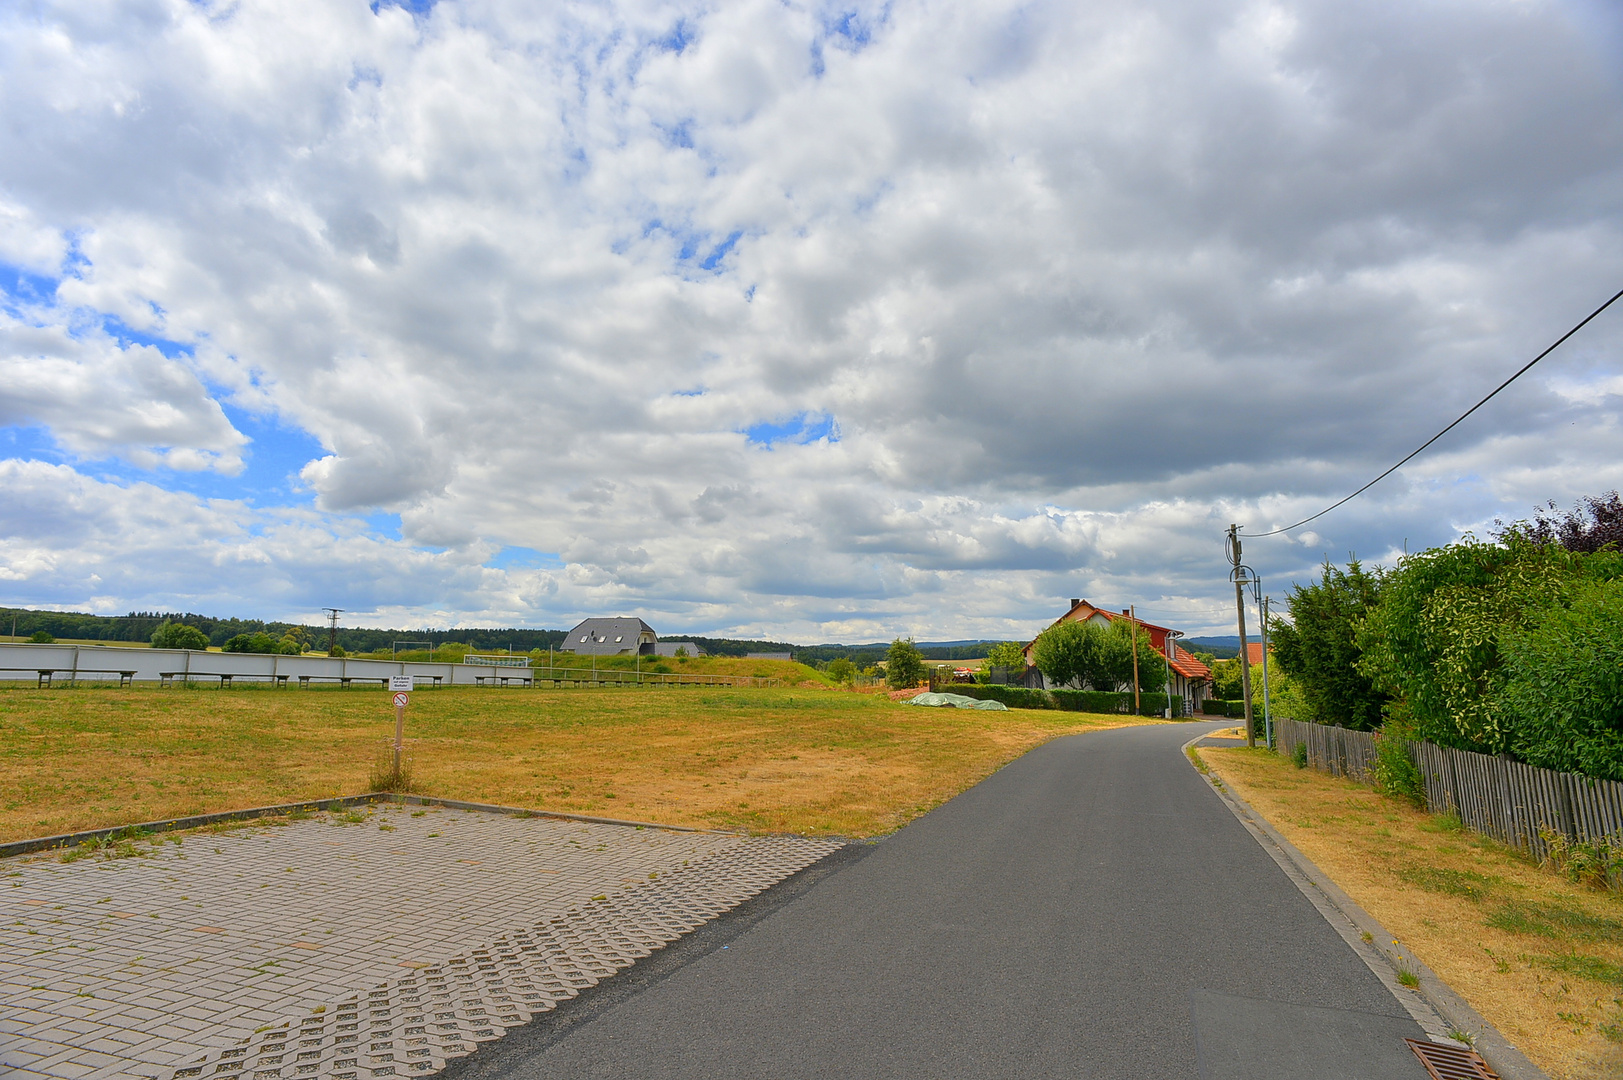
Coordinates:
(611,637)
(668,648)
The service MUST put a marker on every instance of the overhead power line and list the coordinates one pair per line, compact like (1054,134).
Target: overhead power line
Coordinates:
(1417,450)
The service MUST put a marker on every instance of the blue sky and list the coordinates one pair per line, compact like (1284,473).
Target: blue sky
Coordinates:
(805,322)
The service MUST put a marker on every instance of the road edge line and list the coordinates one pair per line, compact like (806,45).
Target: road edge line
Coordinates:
(1446,1008)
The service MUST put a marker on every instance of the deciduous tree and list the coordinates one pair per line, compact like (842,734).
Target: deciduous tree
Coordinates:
(904,664)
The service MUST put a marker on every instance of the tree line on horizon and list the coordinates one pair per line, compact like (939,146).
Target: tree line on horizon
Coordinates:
(139,626)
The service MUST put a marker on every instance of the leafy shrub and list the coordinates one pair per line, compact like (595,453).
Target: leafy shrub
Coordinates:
(1395,771)
(1506,649)
(252,643)
(175,635)
(841,670)
(1006,654)
(1597,863)
(1299,755)
(41,637)
(1563,695)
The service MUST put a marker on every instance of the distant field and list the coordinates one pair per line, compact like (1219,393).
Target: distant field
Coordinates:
(780,760)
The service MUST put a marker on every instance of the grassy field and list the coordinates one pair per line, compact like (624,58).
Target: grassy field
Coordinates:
(1539,957)
(775,760)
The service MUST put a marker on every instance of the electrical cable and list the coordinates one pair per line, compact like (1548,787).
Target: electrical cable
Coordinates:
(1450,427)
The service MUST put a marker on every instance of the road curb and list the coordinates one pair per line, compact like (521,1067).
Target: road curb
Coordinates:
(1451,1011)
(344,802)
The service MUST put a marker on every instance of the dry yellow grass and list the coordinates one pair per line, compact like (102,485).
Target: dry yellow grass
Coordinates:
(1539,957)
(790,760)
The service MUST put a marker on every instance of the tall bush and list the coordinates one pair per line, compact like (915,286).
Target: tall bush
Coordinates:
(1318,647)
(904,664)
(176,635)
(1563,682)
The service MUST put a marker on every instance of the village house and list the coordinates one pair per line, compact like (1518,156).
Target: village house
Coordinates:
(611,637)
(1191,679)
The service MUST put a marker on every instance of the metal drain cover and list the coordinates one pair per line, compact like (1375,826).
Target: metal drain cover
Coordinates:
(1446,1062)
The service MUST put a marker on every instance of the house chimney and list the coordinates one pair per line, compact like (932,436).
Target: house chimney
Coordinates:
(1075,601)
(1126,611)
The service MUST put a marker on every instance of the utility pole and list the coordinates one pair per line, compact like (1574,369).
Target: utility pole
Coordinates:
(1241,576)
(1166,654)
(332,627)
(1267,712)
(1132,610)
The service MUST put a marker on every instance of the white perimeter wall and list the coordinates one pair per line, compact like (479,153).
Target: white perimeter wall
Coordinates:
(90,661)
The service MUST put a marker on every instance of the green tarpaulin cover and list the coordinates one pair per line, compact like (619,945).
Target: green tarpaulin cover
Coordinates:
(954,701)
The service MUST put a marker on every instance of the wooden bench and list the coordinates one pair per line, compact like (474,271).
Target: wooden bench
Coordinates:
(503,680)
(167,678)
(45,675)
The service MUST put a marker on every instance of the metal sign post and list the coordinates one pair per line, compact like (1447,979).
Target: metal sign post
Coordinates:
(400,685)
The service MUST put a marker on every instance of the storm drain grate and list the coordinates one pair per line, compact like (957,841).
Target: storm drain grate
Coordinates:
(1445,1062)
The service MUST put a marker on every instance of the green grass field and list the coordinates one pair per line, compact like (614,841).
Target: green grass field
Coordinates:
(774,760)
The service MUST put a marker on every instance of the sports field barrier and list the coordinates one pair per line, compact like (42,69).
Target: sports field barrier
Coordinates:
(68,665)
(1515,803)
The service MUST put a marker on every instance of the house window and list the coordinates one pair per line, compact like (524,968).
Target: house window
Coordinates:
(618,638)
(583,637)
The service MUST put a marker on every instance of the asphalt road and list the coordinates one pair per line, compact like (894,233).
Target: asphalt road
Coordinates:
(1090,911)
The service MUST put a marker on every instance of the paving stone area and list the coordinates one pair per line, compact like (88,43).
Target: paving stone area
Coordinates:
(375,943)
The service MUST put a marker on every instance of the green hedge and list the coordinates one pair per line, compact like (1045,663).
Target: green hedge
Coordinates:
(1092,701)
(1230,709)
(1015,697)
(1095,701)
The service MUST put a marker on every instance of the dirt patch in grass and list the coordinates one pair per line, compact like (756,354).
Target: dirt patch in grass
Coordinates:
(770,760)
(1540,958)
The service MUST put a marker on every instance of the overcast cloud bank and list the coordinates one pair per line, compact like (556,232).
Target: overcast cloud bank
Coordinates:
(815,322)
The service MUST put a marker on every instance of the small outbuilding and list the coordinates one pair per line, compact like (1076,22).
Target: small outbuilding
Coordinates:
(669,648)
(622,636)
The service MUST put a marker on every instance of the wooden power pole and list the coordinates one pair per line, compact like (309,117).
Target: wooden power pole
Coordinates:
(1132,614)
(1240,575)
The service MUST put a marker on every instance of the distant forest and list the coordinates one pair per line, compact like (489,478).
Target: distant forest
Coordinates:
(139,625)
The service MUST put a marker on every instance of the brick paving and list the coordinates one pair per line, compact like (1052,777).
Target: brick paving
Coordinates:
(379,942)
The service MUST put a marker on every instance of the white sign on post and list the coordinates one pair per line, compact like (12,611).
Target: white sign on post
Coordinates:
(398,683)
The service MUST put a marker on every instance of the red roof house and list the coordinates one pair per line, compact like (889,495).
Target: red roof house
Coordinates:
(1191,679)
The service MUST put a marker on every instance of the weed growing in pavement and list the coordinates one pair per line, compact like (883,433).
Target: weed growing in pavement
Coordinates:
(1407,975)
(116,845)
(349,817)
(1462,1036)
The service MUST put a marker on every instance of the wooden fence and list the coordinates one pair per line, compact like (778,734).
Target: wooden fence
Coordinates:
(1514,803)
